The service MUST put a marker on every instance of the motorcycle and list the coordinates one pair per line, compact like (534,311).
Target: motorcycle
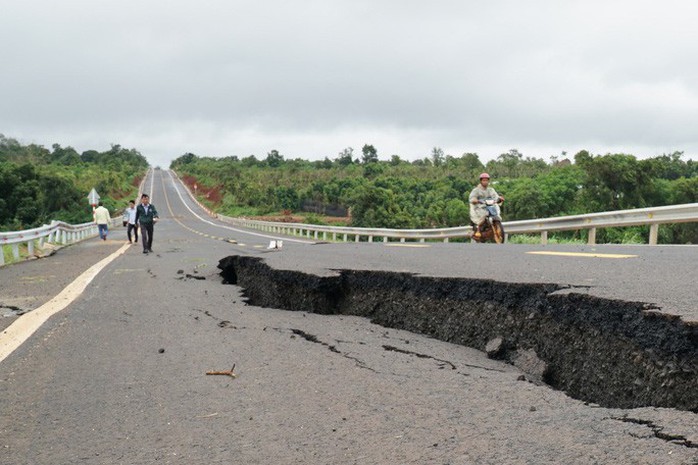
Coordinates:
(491,230)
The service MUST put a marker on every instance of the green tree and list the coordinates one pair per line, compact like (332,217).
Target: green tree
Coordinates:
(369,154)
(345,157)
(274,159)
(614,182)
(457,213)
(437,156)
(379,207)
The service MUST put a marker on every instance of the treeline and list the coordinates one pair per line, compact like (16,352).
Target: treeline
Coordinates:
(38,185)
(433,192)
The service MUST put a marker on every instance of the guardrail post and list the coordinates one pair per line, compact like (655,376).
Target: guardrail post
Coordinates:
(30,248)
(357,237)
(2,255)
(315,235)
(385,239)
(445,240)
(592,236)
(15,251)
(334,236)
(654,233)
(345,237)
(544,237)
(324,235)
(370,238)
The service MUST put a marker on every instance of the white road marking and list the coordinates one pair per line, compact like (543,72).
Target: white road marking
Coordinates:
(152,182)
(27,324)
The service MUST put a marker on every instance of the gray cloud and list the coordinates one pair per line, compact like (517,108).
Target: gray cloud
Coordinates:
(310,78)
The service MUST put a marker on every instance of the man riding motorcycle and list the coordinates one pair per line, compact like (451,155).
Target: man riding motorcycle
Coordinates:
(478,210)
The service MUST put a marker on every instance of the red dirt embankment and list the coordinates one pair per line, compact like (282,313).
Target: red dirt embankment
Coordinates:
(212,194)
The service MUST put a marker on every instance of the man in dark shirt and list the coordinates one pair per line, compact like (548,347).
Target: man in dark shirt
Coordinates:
(146,216)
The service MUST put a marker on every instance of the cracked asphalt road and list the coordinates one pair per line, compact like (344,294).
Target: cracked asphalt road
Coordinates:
(93,385)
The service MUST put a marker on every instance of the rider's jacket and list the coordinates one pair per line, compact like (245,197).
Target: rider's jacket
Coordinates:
(478,212)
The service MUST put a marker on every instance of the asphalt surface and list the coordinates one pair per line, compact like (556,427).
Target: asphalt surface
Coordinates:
(119,375)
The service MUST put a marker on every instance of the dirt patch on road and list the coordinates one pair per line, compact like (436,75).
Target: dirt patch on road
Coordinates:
(609,352)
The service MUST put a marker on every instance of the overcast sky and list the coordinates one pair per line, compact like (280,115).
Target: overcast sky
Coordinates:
(309,78)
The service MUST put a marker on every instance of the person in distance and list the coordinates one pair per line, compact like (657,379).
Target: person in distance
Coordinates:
(481,192)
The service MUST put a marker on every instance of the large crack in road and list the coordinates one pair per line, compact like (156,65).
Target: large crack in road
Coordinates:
(613,353)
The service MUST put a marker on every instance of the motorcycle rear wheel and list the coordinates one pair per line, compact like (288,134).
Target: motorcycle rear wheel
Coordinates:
(498,232)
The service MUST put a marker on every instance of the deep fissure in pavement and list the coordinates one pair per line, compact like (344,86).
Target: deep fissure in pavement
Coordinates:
(610,352)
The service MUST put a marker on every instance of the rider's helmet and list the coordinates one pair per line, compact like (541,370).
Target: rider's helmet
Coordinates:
(484,175)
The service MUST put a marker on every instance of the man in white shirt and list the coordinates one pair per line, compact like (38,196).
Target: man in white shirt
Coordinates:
(130,218)
(102,219)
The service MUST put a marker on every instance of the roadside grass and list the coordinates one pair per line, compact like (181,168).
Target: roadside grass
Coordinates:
(23,252)
(629,237)
(534,239)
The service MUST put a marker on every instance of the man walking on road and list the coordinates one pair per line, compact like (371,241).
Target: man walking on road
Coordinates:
(102,218)
(130,219)
(146,216)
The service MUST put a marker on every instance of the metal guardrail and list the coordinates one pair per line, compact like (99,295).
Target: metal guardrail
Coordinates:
(642,216)
(341,233)
(653,216)
(57,232)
